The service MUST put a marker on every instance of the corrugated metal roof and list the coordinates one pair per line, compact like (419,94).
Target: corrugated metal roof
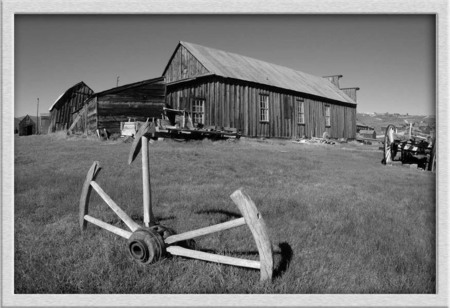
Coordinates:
(231,65)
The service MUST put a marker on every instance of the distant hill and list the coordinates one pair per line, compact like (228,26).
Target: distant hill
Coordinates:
(377,120)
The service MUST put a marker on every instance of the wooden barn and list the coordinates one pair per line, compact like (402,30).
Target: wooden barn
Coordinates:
(260,99)
(27,126)
(105,110)
(66,105)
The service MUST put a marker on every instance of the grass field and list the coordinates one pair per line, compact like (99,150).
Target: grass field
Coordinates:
(339,221)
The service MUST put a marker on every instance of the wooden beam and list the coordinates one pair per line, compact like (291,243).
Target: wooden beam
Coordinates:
(195,254)
(149,218)
(125,218)
(258,228)
(205,231)
(123,233)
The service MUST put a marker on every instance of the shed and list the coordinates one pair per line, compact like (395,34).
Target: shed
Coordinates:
(27,126)
(107,109)
(258,98)
(66,105)
(371,134)
(361,126)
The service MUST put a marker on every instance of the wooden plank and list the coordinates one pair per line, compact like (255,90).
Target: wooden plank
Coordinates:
(145,129)
(245,102)
(125,218)
(257,226)
(195,254)
(205,231)
(123,233)
(149,218)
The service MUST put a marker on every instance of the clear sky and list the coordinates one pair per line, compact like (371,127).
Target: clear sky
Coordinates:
(390,57)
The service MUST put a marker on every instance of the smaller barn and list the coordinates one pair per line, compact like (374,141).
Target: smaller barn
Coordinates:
(107,109)
(68,103)
(27,126)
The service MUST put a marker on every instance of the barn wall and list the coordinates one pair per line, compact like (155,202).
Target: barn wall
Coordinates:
(183,65)
(235,104)
(140,103)
(92,116)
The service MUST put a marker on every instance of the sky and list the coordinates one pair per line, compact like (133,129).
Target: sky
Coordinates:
(391,58)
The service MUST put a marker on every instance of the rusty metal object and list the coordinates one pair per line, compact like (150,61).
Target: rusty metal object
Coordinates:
(146,246)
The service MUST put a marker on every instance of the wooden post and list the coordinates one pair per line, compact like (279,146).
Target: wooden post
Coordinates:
(258,228)
(410,128)
(149,219)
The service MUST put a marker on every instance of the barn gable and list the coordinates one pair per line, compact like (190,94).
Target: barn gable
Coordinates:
(182,65)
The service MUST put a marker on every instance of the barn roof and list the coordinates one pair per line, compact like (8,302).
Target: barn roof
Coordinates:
(129,86)
(26,119)
(231,65)
(67,93)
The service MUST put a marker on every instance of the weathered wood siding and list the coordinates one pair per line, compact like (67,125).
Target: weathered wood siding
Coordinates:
(92,115)
(351,92)
(234,103)
(183,65)
(140,102)
(73,100)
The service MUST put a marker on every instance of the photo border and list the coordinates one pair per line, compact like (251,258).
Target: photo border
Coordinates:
(437,7)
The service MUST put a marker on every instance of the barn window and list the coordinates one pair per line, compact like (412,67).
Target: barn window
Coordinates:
(198,111)
(301,111)
(327,116)
(264,108)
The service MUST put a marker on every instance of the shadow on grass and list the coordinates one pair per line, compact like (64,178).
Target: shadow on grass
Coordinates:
(286,257)
(140,218)
(226,213)
(285,252)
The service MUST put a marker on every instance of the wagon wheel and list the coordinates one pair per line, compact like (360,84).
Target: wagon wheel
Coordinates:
(388,145)
(432,162)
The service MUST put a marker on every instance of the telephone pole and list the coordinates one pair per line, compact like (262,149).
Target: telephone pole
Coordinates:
(37,118)
(117,82)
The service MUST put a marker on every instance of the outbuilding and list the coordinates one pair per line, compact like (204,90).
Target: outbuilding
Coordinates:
(27,126)
(104,111)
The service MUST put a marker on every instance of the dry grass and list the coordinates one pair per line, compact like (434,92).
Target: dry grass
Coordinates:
(340,222)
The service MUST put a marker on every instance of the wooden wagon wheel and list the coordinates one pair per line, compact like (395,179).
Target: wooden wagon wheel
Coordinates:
(153,242)
(432,161)
(388,144)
